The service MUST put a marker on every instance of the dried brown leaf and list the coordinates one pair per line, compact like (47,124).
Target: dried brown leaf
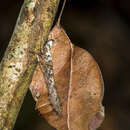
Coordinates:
(78,83)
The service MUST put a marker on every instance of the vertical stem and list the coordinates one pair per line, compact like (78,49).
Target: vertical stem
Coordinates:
(61,12)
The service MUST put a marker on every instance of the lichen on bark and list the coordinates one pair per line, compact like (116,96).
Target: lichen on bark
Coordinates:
(18,64)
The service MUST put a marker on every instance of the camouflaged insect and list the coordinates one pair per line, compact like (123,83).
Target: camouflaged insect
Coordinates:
(47,69)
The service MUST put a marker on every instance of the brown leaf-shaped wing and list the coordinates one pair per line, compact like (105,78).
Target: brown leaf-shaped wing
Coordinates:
(85,90)
(79,86)
(38,86)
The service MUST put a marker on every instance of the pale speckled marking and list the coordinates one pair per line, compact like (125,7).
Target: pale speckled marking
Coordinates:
(36,95)
(30,5)
(47,69)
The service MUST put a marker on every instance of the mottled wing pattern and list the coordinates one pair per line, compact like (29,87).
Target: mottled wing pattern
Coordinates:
(47,69)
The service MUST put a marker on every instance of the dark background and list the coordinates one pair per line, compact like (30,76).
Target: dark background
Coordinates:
(103,28)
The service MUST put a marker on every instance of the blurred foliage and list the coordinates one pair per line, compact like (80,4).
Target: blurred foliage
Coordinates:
(100,26)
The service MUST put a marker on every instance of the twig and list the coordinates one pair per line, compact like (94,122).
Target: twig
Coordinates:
(17,66)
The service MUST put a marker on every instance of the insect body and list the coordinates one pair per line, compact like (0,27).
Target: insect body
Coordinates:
(47,68)
(46,65)
(78,84)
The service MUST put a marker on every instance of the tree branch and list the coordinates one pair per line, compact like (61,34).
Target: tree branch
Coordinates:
(17,66)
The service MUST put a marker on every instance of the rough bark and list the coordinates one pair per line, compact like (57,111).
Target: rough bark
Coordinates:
(18,64)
